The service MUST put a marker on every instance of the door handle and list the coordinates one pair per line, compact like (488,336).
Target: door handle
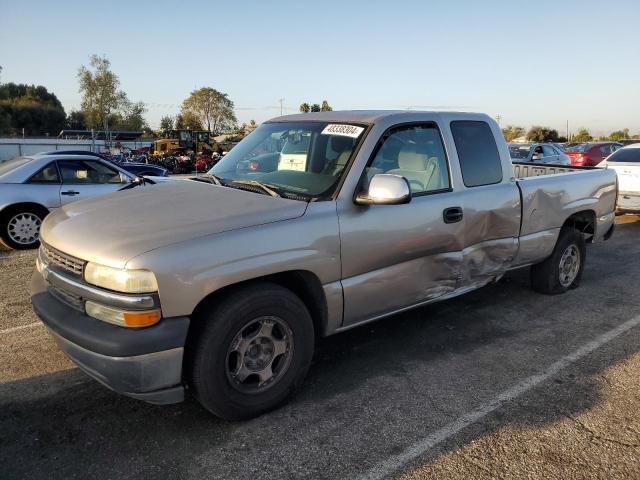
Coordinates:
(452,214)
(70,193)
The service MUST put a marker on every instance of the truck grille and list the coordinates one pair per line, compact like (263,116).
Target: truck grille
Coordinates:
(61,260)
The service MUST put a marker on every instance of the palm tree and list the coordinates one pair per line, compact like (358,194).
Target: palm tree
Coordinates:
(325,107)
(305,108)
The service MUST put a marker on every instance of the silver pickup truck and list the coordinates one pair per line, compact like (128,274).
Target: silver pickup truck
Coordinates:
(220,286)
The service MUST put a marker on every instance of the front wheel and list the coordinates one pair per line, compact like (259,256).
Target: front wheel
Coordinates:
(251,351)
(20,227)
(563,269)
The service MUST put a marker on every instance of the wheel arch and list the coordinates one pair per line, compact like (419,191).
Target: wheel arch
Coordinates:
(303,283)
(29,205)
(584,221)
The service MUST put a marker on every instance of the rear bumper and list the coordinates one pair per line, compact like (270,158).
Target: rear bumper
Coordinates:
(629,202)
(141,363)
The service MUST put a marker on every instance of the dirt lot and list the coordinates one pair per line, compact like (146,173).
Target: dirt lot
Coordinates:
(501,383)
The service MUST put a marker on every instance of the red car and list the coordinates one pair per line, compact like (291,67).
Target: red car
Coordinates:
(591,154)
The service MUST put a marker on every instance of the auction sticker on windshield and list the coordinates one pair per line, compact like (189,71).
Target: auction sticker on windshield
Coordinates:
(343,130)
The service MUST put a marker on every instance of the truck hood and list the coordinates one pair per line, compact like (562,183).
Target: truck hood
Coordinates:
(115,228)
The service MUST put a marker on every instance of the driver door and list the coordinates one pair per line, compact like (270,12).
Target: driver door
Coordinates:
(397,256)
(88,178)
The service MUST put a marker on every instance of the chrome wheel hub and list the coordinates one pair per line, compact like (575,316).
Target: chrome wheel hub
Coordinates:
(24,228)
(259,354)
(569,265)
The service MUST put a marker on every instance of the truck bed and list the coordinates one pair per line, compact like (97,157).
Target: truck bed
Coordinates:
(527,169)
(550,194)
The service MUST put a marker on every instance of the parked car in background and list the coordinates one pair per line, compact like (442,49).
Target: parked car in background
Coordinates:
(386,211)
(626,162)
(31,187)
(591,154)
(543,153)
(135,168)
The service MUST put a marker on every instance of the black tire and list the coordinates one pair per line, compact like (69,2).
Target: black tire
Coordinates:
(210,342)
(6,220)
(545,276)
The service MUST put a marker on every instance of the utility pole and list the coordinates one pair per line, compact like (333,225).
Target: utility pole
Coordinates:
(568,131)
(498,118)
(281,101)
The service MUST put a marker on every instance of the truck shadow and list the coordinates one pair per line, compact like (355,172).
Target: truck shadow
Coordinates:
(422,368)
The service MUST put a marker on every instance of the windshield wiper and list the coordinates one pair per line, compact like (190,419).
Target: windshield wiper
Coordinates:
(210,176)
(270,189)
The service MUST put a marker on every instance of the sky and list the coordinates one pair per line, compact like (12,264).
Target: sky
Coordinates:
(531,63)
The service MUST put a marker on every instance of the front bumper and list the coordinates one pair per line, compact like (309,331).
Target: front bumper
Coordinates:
(141,363)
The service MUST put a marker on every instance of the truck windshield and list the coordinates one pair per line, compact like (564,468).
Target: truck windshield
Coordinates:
(304,160)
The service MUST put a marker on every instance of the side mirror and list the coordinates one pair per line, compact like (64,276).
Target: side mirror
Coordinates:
(385,189)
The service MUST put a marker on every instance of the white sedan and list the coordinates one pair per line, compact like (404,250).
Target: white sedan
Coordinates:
(626,163)
(31,187)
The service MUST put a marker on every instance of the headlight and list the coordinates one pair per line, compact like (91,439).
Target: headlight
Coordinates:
(126,281)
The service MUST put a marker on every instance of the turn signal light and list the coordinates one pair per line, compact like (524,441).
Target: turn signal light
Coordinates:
(141,319)
(123,318)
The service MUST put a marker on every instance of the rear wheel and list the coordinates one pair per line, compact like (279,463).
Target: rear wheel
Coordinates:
(563,269)
(20,227)
(251,351)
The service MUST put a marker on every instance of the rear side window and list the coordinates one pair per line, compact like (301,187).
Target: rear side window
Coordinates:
(478,153)
(48,174)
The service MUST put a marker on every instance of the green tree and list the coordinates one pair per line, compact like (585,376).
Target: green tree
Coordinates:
(131,117)
(315,107)
(180,122)
(99,90)
(542,134)
(582,135)
(166,125)
(305,108)
(619,134)
(75,120)
(511,132)
(191,121)
(30,108)
(325,107)
(213,109)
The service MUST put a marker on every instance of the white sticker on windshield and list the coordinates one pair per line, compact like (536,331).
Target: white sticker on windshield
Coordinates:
(343,130)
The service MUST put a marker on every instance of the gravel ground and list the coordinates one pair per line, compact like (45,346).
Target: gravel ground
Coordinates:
(374,396)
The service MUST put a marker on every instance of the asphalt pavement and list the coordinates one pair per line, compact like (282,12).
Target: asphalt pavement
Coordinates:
(499,383)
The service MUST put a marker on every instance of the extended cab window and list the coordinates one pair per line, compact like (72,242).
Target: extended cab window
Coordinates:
(87,171)
(415,152)
(48,174)
(478,153)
